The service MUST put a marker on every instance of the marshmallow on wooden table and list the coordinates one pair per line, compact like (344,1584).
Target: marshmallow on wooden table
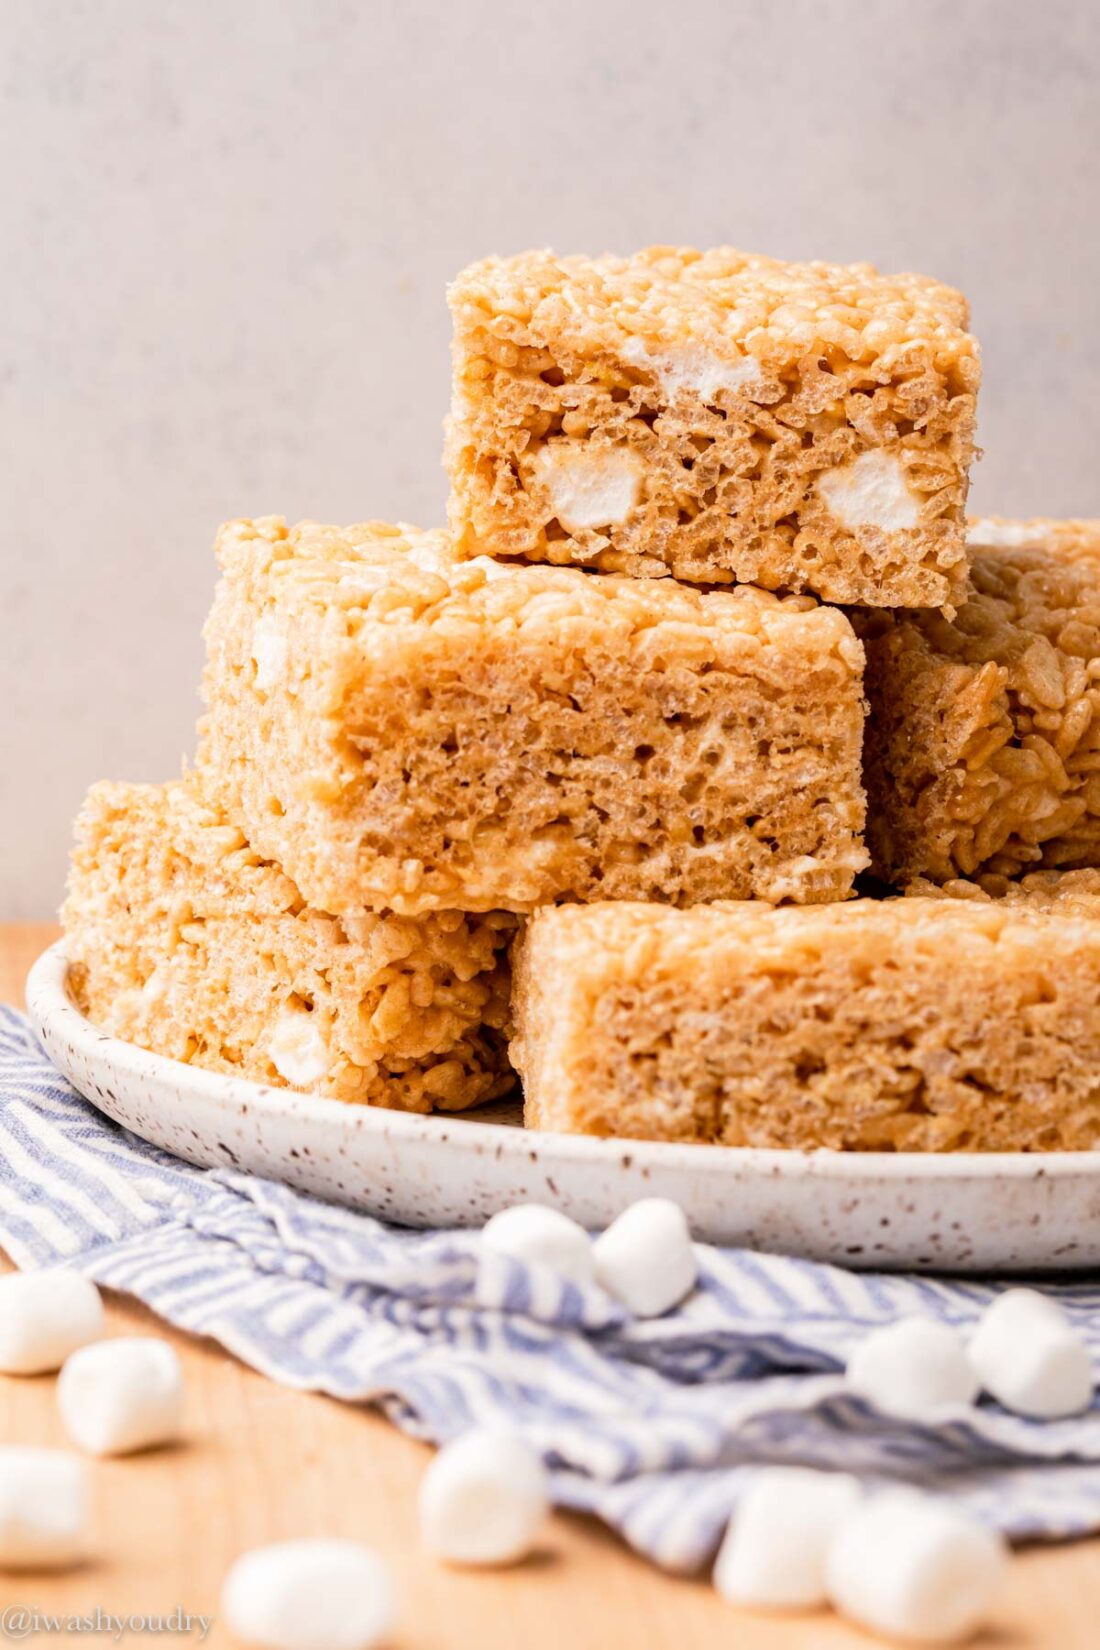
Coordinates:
(646,1258)
(43,1317)
(540,1236)
(309,1595)
(122,1395)
(43,1508)
(915,1568)
(484,1498)
(773,1554)
(1028,1356)
(911,1368)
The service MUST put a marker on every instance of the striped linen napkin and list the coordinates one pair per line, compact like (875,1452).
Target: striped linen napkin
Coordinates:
(653,1426)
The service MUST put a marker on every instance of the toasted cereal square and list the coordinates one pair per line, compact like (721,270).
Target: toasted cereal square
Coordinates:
(920,1024)
(1066,891)
(983,738)
(183,940)
(402,730)
(718,416)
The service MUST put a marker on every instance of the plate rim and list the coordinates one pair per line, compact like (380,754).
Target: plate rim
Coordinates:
(49,1005)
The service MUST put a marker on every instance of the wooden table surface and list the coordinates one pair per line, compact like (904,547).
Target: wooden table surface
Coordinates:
(261,1463)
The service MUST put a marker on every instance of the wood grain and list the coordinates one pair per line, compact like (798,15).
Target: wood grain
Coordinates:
(262,1463)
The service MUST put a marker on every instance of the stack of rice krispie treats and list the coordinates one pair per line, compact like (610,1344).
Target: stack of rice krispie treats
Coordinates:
(580,788)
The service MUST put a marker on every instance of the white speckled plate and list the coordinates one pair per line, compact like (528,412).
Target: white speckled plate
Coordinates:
(966,1212)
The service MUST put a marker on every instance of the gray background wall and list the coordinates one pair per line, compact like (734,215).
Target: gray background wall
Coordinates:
(228,225)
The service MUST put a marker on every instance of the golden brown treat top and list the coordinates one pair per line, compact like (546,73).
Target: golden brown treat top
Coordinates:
(1034,608)
(767,307)
(657,941)
(1066,891)
(212,841)
(1072,537)
(400,574)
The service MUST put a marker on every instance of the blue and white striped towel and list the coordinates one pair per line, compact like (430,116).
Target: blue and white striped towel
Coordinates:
(653,1426)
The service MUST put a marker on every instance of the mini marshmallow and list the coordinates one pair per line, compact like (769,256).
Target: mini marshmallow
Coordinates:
(297,1047)
(589,486)
(270,650)
(542,1237)
(122,1395)
(43,1509)
(773,1555)
(483,1499)
(1027,1355)
(911,1368)
(309,1595)
(694,368)
(985,534)
(43,1317)
(872,491)
(646,1259)
(913,1567)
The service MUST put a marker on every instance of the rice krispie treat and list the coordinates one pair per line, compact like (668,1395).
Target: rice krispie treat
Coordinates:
(881,1025)
(183,940)
(983,739)
(1066,891)
(399,729)
(718,416)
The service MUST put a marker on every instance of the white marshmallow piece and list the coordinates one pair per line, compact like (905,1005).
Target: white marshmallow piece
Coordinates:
(484,1498)
(43,1509)
(590,487)
(915,1568)
(539,1236)
(985,534)
(646,1258)
(122,1395)
(773,1555)
(270,651)
(297,1047)
(43,1317)
(694,368)
(1028,1356)
(872,491)
(310,1595)
(912,1368)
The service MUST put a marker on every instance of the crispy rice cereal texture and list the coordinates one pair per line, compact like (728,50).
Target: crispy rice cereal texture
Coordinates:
(914,1024)
(399,729)
(717,416)
(983,740)
(184,941)
(1067,891)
